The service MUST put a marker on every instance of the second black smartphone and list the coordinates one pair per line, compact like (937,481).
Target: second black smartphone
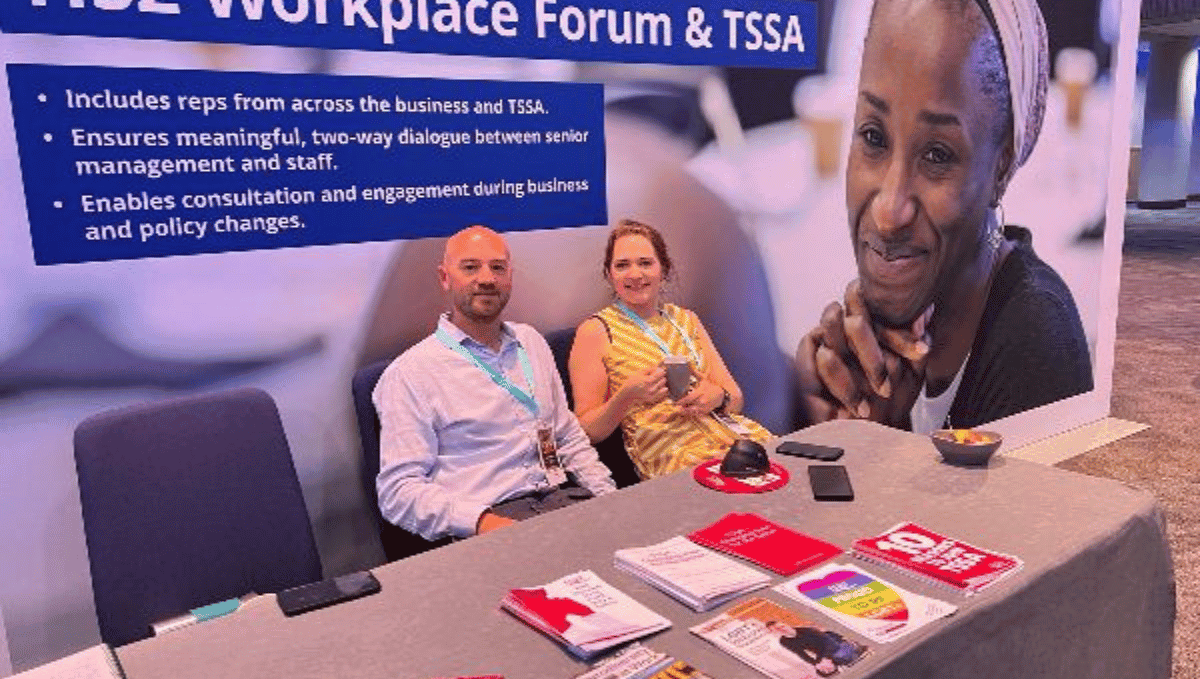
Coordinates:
(811,451)
(316,595)
(830,482)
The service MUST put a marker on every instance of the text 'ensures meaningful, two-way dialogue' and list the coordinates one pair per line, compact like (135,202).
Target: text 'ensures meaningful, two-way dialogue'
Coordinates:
(224,161)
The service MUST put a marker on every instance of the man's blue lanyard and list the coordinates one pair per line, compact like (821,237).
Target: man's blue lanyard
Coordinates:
(649,332)
(526,399)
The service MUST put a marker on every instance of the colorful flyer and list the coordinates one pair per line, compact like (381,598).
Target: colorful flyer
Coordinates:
(873,607)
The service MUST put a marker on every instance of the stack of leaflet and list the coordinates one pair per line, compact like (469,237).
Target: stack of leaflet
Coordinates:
(639,662)
(698,577)
(936,558)
(583,613)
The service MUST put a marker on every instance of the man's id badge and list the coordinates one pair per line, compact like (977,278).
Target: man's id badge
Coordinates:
(551,464)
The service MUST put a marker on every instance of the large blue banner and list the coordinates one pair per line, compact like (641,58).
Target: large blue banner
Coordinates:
(130,163)
(767,33)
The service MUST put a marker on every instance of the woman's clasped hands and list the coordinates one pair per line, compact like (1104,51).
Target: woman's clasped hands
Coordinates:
(849,367)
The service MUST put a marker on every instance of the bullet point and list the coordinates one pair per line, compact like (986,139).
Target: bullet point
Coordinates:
(48,137)
(58,204)
(42,98)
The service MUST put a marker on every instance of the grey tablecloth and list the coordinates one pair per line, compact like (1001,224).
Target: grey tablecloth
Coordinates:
(1096,597)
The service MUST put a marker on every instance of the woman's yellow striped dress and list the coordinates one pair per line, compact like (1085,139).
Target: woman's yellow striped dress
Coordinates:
(661,438)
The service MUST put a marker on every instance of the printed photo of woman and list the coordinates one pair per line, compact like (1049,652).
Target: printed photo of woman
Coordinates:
(953,319)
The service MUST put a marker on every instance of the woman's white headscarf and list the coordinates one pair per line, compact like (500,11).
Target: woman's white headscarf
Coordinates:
(1022,32)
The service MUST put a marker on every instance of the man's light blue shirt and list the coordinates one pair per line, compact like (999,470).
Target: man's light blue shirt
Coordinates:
(454,443)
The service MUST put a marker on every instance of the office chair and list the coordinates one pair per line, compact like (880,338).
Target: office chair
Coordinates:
(612,449)
(189,502)
(397,543)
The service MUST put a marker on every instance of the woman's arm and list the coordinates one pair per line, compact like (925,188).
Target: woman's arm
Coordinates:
(599,413)
(716,378)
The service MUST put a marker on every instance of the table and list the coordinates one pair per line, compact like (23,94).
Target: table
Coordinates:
(1096,597)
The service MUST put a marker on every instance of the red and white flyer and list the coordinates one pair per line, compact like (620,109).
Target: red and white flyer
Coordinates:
(584,613)
(765,543)
(937,558)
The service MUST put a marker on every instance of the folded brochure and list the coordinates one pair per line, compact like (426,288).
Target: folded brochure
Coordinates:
(700,578)
(780,642)
(869,605)
(765,543)
(937,558)
(639,662)
(584,613)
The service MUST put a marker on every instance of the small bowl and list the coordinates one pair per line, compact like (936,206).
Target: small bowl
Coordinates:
(974,452)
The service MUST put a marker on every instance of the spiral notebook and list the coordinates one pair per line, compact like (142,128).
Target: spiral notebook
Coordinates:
(97,662)
(936,558)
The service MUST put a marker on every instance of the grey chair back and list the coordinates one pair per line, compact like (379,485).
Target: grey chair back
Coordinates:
(189,502)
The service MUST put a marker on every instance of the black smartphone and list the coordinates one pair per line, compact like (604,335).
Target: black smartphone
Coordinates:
(317,595)
(811,451)
(830,482)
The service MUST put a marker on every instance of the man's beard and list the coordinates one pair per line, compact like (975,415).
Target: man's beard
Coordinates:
(467,307)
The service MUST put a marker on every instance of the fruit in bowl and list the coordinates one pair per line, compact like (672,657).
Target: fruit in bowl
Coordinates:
(965,446)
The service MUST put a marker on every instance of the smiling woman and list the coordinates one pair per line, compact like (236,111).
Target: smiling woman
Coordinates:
(618,376)
(952,318)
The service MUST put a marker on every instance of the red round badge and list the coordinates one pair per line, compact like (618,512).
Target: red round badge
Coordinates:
(709,474)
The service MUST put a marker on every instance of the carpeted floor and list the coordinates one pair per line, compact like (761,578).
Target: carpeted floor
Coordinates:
(1156,381)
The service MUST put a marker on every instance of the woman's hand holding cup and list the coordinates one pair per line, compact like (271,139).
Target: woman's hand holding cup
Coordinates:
(645,387)
(705,397)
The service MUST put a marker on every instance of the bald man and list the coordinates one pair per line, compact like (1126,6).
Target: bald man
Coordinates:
(475,429)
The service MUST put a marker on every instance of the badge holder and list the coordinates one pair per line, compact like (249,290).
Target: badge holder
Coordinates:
(548,453)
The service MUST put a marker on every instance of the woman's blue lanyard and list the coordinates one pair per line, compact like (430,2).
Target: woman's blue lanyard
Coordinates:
(526,399)
(641,323)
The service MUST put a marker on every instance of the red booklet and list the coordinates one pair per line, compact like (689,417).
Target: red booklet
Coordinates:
(765,543)
(933,556)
